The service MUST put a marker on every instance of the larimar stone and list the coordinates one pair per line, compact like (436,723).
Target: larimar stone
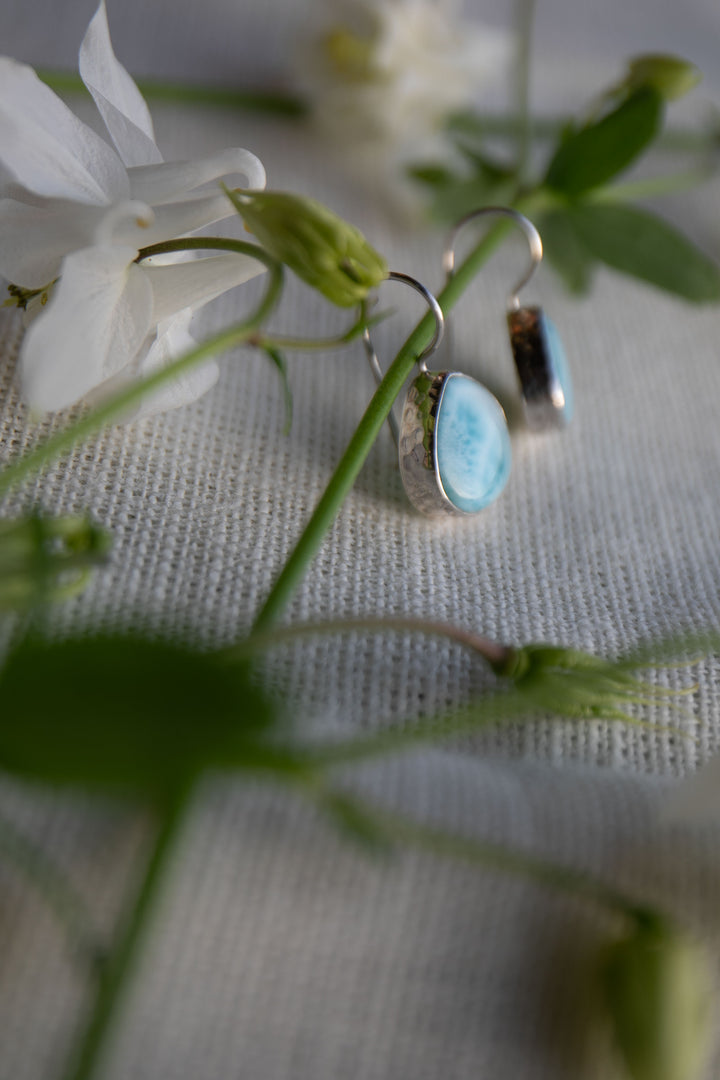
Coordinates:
(472,444)
(560,381)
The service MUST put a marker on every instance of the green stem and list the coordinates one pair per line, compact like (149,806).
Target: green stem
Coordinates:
(54,888)
(525,15)
(495,655)
(119,403)
(120,966)
(564,879)
(239,247)
(367,431)
(274,341)
(266,101)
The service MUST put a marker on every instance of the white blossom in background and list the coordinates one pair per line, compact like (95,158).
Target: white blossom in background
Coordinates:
(74,213)
(384,74)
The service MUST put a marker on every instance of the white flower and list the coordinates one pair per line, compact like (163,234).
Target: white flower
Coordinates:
(74,209)
(389,71)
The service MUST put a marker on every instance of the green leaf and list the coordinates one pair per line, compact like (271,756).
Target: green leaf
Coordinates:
(278,360)
(492,171)
(465,122)
(596,153)
(641,244)
(565,251)
(431,175)
(123,714)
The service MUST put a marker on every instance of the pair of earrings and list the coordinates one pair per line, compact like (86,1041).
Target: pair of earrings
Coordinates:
(453,440)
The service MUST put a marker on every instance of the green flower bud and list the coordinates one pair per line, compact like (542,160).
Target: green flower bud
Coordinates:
(323,250)
(576,684)
(670,76)
(656,988)
(47,558)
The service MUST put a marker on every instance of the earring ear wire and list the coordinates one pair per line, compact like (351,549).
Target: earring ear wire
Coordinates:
(453,442)
(539,356)
(531,234)
(372,357)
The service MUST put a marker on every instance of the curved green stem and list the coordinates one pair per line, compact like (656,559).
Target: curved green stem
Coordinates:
(116,975)
(494,654)
(493,856)
(369,427)
(276,341)
(54,887)
(119,403)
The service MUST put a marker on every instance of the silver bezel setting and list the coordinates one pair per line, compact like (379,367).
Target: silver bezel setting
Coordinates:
(417,446)
(542,394)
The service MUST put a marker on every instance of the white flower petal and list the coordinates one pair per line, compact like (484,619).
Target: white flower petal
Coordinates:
(125,224)
(400,68)
(96,321)
(36,238)
(173,180)
(172,341)
(47,149)
(181,391)
(167,343)
(118,99)
(195,282)
(172,220)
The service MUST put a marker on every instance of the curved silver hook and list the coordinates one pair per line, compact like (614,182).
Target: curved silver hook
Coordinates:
(372,356)
(531,234)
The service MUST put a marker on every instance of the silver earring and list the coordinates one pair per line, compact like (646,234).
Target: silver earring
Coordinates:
(453,440)
(542,368)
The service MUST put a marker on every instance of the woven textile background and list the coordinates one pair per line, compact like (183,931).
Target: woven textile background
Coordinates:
(281,951)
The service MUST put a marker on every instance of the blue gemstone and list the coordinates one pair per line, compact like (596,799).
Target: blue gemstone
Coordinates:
(559,372)
(472,444)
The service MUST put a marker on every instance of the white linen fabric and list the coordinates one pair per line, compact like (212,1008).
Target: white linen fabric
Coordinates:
(282,951)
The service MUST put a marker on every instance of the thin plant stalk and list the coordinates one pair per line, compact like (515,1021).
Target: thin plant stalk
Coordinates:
(492,652)
(120,966)
(278,102)
(525,17)
(492,856)
(54,887)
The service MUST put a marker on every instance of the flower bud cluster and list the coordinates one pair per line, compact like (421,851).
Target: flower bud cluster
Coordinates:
(47,558)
